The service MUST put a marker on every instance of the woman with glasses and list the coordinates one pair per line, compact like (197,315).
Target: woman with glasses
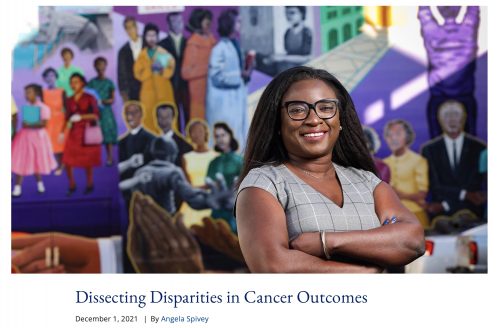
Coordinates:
(308,198)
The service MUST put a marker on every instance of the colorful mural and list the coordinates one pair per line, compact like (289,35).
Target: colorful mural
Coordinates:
(123,115)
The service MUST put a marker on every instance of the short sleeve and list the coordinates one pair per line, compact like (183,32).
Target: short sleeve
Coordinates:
(262,179)
(371,179)
(259,179)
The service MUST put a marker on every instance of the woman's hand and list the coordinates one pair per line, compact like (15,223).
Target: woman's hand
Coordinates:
(308,242)
(60,138)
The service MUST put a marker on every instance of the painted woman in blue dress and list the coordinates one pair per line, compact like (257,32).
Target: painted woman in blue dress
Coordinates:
(226,90)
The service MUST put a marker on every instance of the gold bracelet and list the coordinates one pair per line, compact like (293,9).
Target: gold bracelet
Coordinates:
(323,243)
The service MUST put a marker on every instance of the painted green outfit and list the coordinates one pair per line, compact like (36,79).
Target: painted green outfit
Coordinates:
(104,87)
(63,76)
(230,166)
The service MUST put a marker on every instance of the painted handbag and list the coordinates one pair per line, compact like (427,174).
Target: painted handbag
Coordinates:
(93,134)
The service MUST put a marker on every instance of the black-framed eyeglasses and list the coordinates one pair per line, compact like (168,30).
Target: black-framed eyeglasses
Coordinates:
(299,110)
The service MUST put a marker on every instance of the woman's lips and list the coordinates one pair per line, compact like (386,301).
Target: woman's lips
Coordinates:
(313,135)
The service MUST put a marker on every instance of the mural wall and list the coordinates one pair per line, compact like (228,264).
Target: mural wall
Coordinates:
(122,115)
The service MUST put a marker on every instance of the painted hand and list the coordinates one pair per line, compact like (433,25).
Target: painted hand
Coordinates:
(160,243)
(76,254)
(145,177)
(220,197)
(75,118)
(136,160)
(218,235)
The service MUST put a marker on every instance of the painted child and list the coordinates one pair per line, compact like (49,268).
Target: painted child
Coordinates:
(31,148)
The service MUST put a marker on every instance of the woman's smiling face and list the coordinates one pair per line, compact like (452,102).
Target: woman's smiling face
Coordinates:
(313,137)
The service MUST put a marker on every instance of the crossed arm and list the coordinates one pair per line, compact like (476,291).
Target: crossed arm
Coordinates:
(264,239)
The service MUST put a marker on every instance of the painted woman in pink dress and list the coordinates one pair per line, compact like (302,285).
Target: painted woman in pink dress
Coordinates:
(31,148)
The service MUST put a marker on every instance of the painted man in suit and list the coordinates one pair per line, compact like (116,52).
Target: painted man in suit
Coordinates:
(175,43)
(166,114)
(453,157)
(134,145)
(127,84)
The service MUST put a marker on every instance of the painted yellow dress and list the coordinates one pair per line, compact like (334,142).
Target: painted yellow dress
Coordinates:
(196,165)
(155,86)
(409,174)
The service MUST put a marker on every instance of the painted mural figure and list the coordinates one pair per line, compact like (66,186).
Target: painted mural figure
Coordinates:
(226,89)
(455,180)
(127,83)
(373,143)
(133,147)
(154,68)
(13,117)
(297,41)
(55,98)
(66,71)
(81,111)
(175,93)
(195,164)
(106,91)
(175,43)
(166,115)
(450,39)
(79,29)
(483,170)
(409,170)
(31,147)
(162,180)
(196,58)
(229,163)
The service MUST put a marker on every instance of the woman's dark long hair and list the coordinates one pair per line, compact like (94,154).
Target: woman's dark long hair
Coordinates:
(264,144)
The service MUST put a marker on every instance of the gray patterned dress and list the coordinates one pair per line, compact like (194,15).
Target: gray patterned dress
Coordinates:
(308,210)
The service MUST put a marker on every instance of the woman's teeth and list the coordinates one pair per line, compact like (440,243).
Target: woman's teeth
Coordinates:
(317,134)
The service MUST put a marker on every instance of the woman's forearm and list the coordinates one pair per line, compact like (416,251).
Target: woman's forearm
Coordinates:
(417,197)
(294,261)
(391,245)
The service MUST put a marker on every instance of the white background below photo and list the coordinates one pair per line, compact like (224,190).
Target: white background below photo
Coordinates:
(416,300)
